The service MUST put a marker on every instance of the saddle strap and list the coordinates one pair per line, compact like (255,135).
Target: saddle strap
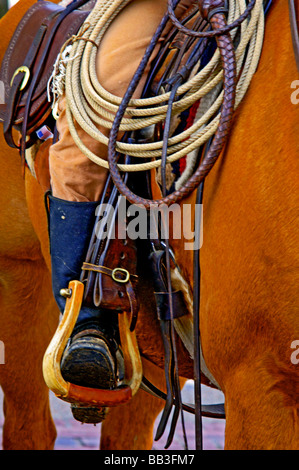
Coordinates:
(294,29)
(119,276)
(33,65)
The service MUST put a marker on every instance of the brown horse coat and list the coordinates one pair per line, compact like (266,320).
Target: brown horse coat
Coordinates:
(249,287)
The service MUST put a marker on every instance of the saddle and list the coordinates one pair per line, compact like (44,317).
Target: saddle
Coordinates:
(28,64)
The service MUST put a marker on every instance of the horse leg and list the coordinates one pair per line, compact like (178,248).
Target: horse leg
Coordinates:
(268,409)
(27,319)
(25,332)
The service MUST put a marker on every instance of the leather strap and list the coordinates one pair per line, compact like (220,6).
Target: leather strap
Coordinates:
(122,276)
(118,274)
(216,411)
(15,93)
(294,29)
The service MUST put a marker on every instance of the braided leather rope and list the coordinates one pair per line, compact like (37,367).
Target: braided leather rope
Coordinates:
(226,48)
(208,9)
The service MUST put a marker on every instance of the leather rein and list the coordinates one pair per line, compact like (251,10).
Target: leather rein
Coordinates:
(214,13)
(294,29)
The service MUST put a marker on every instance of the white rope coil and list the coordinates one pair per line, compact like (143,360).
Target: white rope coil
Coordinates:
(90,105)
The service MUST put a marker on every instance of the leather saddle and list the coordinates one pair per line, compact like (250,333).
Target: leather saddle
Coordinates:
(28,63)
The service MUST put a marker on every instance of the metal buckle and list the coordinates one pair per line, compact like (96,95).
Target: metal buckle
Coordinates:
(121,270)
(26,71)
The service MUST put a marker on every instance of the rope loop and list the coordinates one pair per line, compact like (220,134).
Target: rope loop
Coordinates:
(94,108)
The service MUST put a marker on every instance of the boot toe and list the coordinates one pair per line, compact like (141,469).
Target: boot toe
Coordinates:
(88,362)
(88,415)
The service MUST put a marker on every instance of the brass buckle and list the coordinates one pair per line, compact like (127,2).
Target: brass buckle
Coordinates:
(26,71)
(121,270)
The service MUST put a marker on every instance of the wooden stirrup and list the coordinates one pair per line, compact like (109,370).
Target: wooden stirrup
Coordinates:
(85,395)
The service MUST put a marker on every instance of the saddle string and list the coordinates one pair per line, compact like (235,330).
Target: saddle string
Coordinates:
(171,373)
(196,314)
(174,82)
(87,99)
(55,85)
(198,409)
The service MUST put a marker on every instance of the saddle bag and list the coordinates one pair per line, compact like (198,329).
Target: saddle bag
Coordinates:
(28,64)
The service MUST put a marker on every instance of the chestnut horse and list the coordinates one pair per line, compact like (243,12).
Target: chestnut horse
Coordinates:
(29,315)
(249,314)
(249,277)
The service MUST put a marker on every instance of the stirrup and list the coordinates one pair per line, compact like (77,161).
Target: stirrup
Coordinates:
(85,395)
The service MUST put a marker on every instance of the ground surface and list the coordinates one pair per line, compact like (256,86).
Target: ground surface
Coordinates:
(72,435)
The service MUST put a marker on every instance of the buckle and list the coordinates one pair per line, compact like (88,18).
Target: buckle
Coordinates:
(122,271)
(26,71)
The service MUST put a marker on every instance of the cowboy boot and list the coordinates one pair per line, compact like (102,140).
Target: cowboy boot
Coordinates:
(92,357)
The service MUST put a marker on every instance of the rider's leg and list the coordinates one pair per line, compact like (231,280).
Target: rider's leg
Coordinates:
(77,182)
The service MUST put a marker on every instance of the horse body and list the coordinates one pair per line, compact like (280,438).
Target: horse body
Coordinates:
(249,278)
(249,258)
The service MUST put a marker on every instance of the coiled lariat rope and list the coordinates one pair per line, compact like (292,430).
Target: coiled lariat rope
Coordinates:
(90,105)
